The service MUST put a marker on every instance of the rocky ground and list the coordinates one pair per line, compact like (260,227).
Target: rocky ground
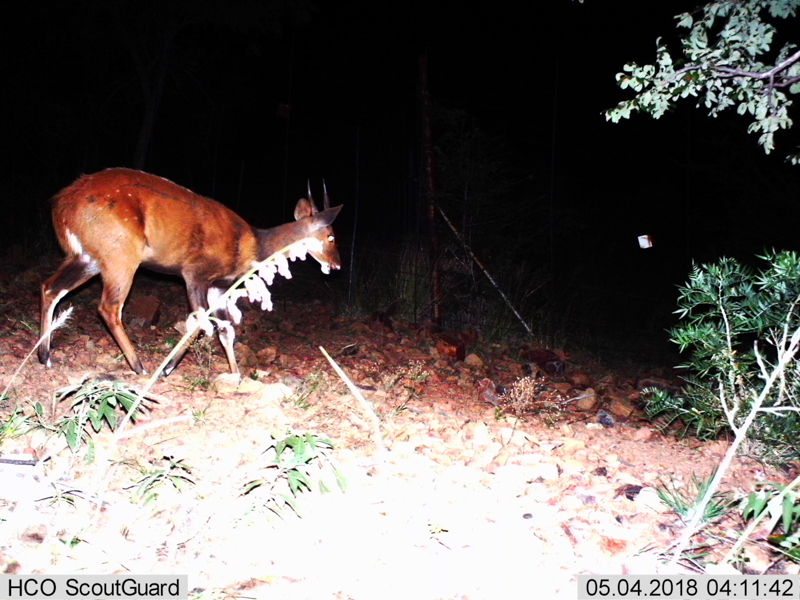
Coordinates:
(502,472)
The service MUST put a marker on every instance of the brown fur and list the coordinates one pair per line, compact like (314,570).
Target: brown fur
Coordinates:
(111,222)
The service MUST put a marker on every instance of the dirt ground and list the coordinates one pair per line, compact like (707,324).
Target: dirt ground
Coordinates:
(455,498)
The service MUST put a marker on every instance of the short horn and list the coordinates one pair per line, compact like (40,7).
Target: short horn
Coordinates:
(311,199)
(325,200)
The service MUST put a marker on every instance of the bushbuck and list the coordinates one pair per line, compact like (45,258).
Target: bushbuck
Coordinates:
(111,222)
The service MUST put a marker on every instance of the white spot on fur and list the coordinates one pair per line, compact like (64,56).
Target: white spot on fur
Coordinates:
(74,243)
(313,244)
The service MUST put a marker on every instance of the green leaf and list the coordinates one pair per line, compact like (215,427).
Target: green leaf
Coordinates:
(685,20)
(297,481)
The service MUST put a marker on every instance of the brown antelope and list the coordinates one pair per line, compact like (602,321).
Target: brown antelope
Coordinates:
(111,222)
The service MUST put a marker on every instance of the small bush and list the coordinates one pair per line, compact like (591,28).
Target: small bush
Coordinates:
(737,322)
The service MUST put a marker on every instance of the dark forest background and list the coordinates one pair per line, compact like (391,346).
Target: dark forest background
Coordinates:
(245,100)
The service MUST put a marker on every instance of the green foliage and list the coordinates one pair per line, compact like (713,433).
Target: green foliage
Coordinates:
(310,385)
(174,473)
(700,415)
(684,502)
(728,62)
(737,321)
(782,505)
(94,402)
(295,463)
(15,425)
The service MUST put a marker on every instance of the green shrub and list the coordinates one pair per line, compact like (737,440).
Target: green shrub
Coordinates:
(737,322)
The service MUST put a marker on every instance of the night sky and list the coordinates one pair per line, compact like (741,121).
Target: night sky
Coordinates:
(534,78)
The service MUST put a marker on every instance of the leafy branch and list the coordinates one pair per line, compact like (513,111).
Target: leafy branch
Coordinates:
(724,65)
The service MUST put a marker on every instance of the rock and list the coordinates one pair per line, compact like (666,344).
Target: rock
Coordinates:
(450,347)
(476,434)
(613,546)
(267,355)
(487,391)
(486,455)
(657,383)
(245,357)
(286,362)
(275,392)
(403,448)
(510,479)
(572,466)
(757,558)
(526,459)
(225,383)
(588,400)
(609,381)
(620,406)
(562,388)
(34,535)
(473,360)
(571,502)
(249,386)
(580,379)
(571,445)
(103,360)
(543,471)
(513,437)
(549,361)
(605,419)
(647,500)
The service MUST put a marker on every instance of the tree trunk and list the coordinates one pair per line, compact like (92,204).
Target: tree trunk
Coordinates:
(429,183)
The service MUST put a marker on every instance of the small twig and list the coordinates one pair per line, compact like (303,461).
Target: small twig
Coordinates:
(19,461)
(770,74)
(377,438)
(776,410)
(569,400)
(485,270)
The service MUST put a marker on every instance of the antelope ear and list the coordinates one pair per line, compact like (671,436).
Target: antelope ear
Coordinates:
(326,217)
(303,209)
